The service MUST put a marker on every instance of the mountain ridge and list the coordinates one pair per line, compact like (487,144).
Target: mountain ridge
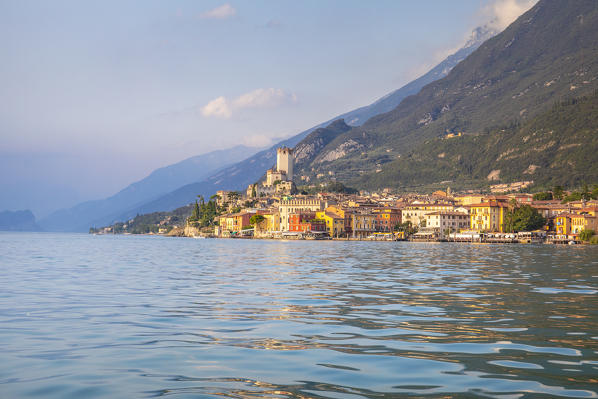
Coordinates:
(546,55)
(159,182)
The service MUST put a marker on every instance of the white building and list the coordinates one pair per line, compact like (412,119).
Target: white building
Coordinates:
(294,205)
(445,221)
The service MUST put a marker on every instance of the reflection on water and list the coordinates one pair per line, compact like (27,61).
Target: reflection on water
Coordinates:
(85,316)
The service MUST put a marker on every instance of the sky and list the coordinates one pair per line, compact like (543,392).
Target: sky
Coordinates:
(96,95)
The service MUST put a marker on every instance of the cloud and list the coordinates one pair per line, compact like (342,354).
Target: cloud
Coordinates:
(217,108)
(260,98)
(222,12)
(264,98)
(502,13)
(257,140)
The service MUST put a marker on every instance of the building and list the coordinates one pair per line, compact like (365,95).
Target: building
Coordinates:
(447,222)
(296,205)
(335,223)
(363,224)
(306,222)
(562,223)
(274,176)
(387,218)
(285,188)
(285,160)
(346,215)
(469,199)
(415,213)
(573,223)
(488,216)
(270,224)
(233,223)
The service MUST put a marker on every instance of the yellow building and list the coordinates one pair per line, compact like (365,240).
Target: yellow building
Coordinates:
(335,224)
(583,222)
(271,222)
(469,199)
(488,216)
(363,224)
(574,223)
(562,223)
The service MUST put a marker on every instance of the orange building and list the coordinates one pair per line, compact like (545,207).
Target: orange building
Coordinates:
(304,222)
(387,218)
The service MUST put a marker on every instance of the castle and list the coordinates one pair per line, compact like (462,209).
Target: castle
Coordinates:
(279,180)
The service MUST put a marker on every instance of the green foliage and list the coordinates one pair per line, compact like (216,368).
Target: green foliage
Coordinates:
(586,235)
(557,146)
(558,192)
(523,218)
(518,99)
(574,196)
(543,196)
(256,219)
(594,239)
(406,227)
(152,222)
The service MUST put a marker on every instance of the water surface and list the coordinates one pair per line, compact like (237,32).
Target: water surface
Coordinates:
(125,316)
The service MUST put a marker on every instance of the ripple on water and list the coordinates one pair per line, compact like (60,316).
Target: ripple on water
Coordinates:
(124,316)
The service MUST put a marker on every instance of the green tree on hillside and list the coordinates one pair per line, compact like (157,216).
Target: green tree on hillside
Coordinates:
(557,192)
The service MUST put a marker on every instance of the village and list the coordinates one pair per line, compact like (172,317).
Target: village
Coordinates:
(273,209)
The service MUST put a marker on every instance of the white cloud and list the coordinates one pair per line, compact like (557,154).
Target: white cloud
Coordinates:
(222,12)
(264,98)
(502,13)
(217,108)
(257,140)
(259,98)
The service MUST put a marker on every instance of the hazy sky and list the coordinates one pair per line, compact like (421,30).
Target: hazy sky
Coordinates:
(95,95)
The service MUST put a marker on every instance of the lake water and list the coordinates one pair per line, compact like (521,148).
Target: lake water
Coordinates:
(125,317)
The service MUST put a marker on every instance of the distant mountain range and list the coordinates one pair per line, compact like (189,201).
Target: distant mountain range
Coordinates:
(547,56)
(139,198)
(18,221)
(160,182)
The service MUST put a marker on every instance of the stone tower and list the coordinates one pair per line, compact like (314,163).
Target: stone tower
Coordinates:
(284,161)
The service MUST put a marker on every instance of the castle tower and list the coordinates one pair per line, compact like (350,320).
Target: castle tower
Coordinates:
(284,161)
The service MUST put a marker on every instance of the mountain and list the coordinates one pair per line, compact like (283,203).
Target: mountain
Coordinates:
(548,55)
(18,221)
(248,171)
(389,102)
(555,147)
(313,143)
(159,182)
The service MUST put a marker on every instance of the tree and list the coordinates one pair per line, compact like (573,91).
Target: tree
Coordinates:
(557,192)
(543,196)
(256,219)
(585,235)
(527,218)
(510,215)
(585,193)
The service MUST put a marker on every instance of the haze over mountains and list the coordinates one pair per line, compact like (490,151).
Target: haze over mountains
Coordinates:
(123,206)
(514,99)
(158,183)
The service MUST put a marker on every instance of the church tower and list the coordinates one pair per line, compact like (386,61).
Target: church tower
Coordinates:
(284,161)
